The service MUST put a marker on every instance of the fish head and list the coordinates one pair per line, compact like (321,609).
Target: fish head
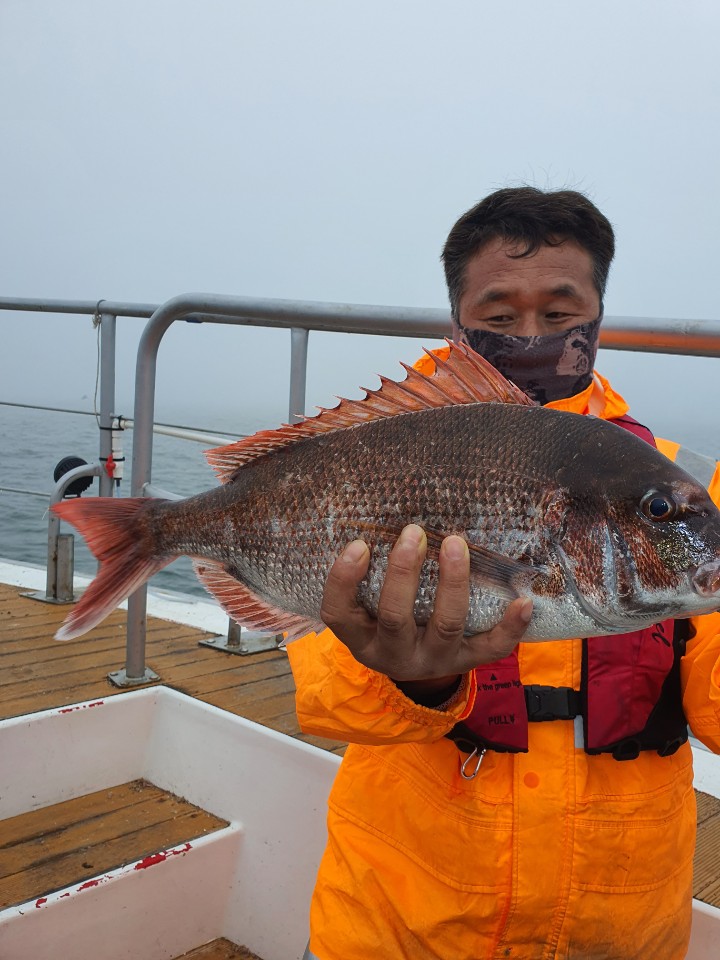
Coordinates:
(675,529)
(643,541)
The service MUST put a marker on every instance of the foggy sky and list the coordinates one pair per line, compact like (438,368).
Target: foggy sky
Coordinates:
(321,150)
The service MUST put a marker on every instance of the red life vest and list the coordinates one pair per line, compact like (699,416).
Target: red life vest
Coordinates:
(629,698)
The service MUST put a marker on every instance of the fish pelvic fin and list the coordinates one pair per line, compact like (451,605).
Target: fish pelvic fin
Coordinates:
(247,608)
(110,530)
(464,377)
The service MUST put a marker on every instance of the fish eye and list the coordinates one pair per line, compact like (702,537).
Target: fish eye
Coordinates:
(658,506)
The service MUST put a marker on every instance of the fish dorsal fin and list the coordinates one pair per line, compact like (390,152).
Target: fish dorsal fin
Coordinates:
(465,377)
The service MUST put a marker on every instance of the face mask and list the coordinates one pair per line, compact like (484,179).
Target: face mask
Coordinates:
(546,368)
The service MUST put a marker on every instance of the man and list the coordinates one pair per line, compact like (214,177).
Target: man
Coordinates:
(568,838)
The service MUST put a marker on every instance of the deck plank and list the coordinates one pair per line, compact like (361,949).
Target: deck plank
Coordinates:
(70,842)
(707,806)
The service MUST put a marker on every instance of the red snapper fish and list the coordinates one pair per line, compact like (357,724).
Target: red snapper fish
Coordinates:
(601,531)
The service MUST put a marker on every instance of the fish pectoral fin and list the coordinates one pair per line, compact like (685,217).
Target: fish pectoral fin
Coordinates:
(497,574)
(247,608)
(501,575)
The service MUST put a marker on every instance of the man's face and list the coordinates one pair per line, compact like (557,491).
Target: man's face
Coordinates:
(548,292)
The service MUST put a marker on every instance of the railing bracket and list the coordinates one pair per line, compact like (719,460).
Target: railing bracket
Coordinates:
(44,598)
(242,642)
(119,678)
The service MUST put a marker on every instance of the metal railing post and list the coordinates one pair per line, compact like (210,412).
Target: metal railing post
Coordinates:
(135,671)
(298,372)
(65,575)
(242,641)
(107,396)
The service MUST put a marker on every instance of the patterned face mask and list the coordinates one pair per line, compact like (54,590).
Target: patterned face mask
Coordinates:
(546,368)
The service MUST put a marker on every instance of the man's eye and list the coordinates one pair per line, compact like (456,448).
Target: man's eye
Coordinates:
(500,320)
(557,316)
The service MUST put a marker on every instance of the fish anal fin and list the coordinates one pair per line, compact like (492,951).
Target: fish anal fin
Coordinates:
(247,608)
(464,377)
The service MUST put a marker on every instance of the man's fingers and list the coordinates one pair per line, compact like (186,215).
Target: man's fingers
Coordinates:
(453,593)
(340,610)
(504,636)
(392,643)
(397,597)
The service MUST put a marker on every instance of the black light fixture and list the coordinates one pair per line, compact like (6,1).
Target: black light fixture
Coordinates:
(77,487)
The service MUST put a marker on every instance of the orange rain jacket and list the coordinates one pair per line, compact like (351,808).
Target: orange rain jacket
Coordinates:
(547,854)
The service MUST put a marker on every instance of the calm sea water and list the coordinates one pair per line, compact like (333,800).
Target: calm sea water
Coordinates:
(34,441)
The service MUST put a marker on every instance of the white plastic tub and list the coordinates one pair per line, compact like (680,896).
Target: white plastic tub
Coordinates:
(250,882)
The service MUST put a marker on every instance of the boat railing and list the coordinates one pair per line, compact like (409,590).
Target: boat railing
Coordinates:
(647,334)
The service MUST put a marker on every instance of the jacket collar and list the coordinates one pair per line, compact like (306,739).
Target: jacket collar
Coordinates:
(599,399)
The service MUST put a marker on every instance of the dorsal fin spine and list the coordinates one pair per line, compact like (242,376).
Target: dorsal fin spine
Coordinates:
(402,395)
(459,373)
(429,385)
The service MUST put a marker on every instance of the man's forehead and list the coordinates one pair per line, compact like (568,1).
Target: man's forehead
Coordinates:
(553,248)
(562,269)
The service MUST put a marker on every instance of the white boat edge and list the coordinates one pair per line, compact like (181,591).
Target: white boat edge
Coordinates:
(204,614)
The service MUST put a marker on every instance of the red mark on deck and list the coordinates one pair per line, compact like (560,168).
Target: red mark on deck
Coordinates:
(40,902)
(160,857)
(82,706)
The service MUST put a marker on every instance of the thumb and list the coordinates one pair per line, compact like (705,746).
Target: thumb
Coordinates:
(501,640)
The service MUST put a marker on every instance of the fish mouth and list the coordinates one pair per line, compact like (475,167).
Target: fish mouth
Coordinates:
(706,579)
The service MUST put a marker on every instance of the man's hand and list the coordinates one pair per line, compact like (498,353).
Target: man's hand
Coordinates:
(435,654)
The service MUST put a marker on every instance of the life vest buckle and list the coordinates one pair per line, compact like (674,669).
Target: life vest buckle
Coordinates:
(627,749)
(552,703)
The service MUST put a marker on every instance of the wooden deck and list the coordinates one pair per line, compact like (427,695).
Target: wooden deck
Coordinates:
(38,672)
(706,877)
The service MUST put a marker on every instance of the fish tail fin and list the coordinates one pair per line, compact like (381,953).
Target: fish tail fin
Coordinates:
(111,530)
